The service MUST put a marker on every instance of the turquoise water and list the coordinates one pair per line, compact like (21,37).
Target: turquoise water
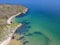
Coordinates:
(41,22)
(44,30)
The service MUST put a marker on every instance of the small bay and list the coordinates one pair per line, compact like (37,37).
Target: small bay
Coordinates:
(41,22)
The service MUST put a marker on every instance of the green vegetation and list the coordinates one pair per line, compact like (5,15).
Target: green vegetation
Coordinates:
(6,30)
(20,10)
(14,24)
(9,10)
(6,11)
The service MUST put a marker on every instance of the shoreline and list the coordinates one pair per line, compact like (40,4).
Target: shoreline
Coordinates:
(10,19)
(5,42)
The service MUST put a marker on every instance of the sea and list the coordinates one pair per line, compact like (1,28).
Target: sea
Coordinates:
(41,23)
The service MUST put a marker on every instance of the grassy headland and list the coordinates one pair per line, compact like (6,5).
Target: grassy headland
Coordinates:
(6,12)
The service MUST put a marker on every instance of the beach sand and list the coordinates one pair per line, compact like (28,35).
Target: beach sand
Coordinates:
(15,42)
(10,19)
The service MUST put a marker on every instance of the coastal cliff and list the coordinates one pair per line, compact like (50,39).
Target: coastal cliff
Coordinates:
(7,26)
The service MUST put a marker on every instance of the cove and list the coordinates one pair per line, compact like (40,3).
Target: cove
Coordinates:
(41,22)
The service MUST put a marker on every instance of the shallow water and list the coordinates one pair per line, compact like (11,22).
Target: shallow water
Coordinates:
(41,22)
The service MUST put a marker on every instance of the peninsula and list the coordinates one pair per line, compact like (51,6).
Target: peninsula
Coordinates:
(7,26)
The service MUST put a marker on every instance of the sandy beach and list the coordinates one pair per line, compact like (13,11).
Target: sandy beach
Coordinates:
(15,42)
(5,42)
(10,19)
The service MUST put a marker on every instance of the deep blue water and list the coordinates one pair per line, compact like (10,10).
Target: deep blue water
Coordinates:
(41,22)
